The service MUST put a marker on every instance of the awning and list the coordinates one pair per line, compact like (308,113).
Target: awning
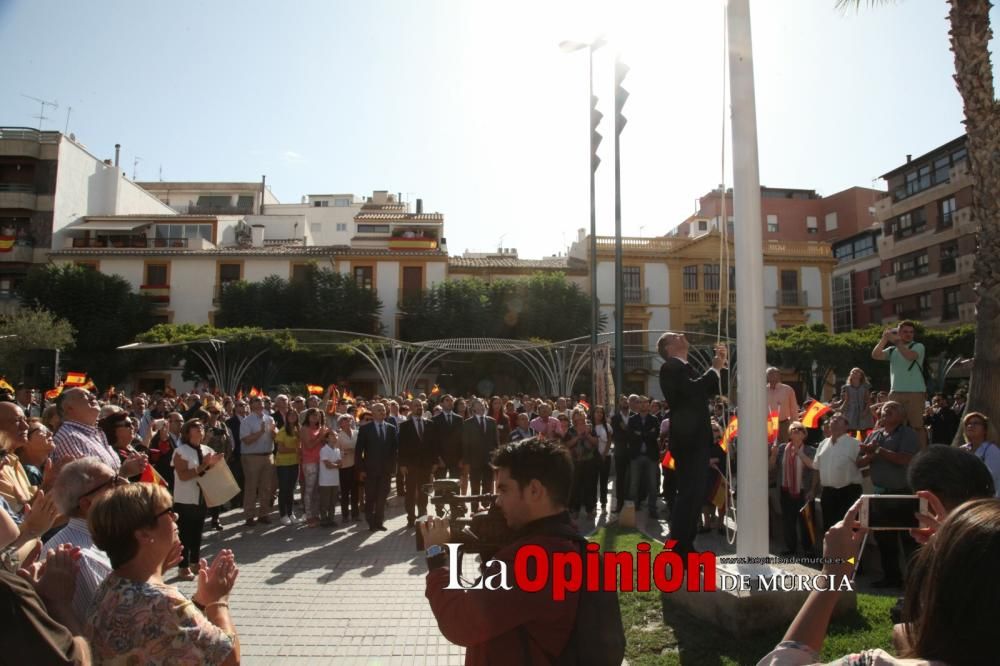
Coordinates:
(110,225)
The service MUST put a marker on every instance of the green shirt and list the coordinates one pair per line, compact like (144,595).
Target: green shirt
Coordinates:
(906,376)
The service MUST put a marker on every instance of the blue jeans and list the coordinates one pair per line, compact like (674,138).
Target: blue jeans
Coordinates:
(644,467)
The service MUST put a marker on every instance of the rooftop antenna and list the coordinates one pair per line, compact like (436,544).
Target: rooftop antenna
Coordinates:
(161,173)
(135,166)
(69,110)
(41,112)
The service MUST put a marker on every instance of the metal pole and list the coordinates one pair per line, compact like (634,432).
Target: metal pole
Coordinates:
(619,282)
(752,530)
(595,305)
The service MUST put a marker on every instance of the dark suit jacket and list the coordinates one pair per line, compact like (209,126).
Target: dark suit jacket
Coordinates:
(644,430)
(448,438)
(688,394)
(377,456)
(477,446)
(234,427)
(415,450)
(619,433)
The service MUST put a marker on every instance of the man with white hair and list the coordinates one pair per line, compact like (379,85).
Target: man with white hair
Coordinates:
(80,483)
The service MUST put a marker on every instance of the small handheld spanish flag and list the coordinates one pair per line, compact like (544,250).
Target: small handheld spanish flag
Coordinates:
(314,389)
(731,431)
(668,461)
(150,475)
(76,378)
(772,427)
(5,386)
(435,390)
(54,393)
(254,392)
(816,411)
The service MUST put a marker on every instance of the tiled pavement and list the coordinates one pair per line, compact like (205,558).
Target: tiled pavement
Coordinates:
(339,595)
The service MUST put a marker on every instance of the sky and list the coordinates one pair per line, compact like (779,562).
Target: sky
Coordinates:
(473,107)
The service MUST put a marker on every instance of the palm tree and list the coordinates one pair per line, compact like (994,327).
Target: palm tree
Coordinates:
(970,35)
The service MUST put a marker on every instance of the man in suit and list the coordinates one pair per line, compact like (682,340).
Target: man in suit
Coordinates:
(447,439)
(417,459)
(688,395)
(620,437)
(479,440)
(376,461)
(644,450)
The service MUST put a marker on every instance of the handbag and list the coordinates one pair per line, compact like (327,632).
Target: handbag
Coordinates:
(218,485)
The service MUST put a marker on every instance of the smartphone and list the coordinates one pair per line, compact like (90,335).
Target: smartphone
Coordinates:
(894,331)
(891,512)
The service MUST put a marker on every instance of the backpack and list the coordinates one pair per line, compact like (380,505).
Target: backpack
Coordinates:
(598,636)
(922,366)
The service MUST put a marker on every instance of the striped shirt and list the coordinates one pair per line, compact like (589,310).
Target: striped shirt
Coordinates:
(94,563)
(77,440)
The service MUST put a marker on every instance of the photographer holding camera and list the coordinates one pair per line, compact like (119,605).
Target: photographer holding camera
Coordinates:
(511,626)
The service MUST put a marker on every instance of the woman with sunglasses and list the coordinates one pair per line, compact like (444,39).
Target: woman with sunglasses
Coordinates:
(191,460)
(976,428)
(136,617)
(121,433)
(794,463)
(36,452)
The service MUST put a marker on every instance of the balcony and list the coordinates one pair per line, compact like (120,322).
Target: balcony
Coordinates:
(870,293)
(195,209)
(25,141)
(788,298)
(158,293)
(403,243)
(13,252)
(17,195)
(635,295)
(134,242)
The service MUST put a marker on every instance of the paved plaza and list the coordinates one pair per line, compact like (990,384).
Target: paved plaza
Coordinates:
(330,595)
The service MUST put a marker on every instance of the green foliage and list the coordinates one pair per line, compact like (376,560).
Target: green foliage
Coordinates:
(30,329)
(545,306)
(318,298)
(103,310)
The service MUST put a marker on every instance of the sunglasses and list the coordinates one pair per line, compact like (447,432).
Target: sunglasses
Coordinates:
(796,430)
(170,510)
(113,481)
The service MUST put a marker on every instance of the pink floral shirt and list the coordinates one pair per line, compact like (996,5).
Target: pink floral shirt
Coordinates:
(144,623)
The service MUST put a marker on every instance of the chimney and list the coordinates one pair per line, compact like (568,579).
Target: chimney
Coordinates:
(420,206)
(263,184)
(909,158)
(257,235)
(118,150)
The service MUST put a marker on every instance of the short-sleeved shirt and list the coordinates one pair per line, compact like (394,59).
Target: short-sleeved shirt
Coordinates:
(906,376)
(989,453)
(288,448)
(77,440)
(188,492)
(887,475)
(837,462)
(251,426)
(145,623)
(329,477)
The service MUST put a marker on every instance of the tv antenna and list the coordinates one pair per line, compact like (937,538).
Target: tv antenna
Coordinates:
(41,112)
(135,167)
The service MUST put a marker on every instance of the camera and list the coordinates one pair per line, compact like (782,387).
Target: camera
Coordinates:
(891,512)
(484,532)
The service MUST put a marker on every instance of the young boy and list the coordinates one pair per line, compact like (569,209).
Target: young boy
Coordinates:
(329,480)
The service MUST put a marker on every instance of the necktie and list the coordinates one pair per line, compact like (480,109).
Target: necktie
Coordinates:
(381,431)
(482,424)
(447,417)
(420,429)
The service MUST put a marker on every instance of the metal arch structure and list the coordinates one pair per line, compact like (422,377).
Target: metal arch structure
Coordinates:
(553,366)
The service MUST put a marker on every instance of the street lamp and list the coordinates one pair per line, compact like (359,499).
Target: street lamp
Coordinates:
(595,140)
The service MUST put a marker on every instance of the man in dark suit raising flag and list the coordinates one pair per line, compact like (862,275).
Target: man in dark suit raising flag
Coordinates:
(688,394)
(376,459)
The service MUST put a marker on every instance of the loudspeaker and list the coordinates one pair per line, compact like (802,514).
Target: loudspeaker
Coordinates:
(40,367)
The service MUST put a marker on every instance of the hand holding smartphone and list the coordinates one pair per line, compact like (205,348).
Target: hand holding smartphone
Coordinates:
(892,512)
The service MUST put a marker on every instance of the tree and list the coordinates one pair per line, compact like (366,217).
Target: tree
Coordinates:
(970,34)
(103,310)
(30,329)
(316,298)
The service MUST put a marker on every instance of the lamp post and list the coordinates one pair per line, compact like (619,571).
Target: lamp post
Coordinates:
(595,140)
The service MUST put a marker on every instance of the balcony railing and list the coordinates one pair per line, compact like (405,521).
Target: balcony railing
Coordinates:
(21,253)
(195,209)
(870,293)
(20,188)
(130,242)
(787,298)
(636,295)
(28,134)
(158,293)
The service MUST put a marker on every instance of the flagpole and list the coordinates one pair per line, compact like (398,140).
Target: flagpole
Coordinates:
(752,527)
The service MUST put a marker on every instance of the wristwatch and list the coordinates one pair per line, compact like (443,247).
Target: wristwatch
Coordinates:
(437,557)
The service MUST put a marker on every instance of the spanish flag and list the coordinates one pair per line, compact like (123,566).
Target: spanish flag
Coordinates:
(332,398)
(5,386)
(150,475)
(668,461)
(435,390)
(731,431)
(586,405)
(89,386)
(314,389)
(815,412)
(54,393)
(772,427)
(7,243)
(409,396)
(254,392)
(76,378)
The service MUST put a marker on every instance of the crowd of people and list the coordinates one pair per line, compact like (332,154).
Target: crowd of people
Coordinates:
(95,545)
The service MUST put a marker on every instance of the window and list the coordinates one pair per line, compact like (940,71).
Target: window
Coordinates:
(341,226)
(772,224)
(215,201)
(373,228)
(949,309)
(946,212)
(855,249)
(924,306)
(843,315)
(230,273)
(341,202)
(949,255)
(299,271)
(790,288)
(908,224)
(364,276)
(178,235)
(831,221)
(732,278)
(711,277)
(690,278)
(156,275)
(702,225)
(245,201)
(321,204)
(632,282)
(911,266)
(928,175)
(812,225)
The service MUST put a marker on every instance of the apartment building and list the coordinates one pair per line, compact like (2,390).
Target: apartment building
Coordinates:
(857,299)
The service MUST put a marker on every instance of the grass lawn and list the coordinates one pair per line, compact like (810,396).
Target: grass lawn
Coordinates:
(652,638)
